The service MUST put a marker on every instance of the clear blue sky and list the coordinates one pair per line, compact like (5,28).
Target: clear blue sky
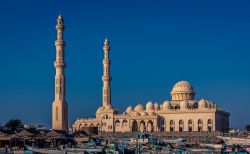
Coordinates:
(154,44)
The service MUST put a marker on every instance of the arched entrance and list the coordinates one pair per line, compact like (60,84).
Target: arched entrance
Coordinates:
(209,125)
(171,129)
(162,125)
(200,125)
(190,125)
(142,126)
(134,126)
(181,125)
(150,126)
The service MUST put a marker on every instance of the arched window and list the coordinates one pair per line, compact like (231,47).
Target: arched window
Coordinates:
(142,126)
(124,123)
(56,113)
(209,125)
(190,125)
(60,84)
(98,126)
(105,116)
(117,123)
(171,126)
(91,125)
(150,126)
(162,125)
(80,126)
(181,125)
(200,125)
(209,121)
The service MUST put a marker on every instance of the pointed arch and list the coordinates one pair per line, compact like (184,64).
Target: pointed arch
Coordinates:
(172,125)
(190,125)
(98,126)
(181,125)
(134,126)
(209,125)
(200,125)
(124,123)
(142,126)
(57,114)
(162,124)
(150,126)
(80,126)
(117,123)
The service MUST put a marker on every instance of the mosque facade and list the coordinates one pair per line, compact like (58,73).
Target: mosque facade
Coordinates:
(183,113)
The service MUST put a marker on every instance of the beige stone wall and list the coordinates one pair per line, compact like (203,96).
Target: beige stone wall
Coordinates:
(185,117)
(122,125)
(60,115)
(183,110)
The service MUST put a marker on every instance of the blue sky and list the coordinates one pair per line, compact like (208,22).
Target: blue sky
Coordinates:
(154,44)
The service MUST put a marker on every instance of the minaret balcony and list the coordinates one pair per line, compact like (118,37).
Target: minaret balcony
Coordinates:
(106,78)
(60,42)
(60,64)
(106,61)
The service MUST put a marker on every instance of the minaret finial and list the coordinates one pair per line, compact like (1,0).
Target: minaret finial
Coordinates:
(106,41)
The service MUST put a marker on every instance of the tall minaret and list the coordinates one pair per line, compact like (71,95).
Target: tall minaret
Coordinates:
(60,106)
(106,78)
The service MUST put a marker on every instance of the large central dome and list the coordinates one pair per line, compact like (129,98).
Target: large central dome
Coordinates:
(182,90)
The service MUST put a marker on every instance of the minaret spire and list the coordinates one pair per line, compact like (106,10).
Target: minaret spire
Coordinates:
(60,106)
(106,78)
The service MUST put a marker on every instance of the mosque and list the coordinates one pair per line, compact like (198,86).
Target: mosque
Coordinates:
(183,113)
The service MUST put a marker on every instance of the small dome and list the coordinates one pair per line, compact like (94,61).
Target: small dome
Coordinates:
(129,109)
(166,105)
(161,106)
(99,110)
(156,106)
(138,108)
(184,105)
(149,106)
(202,104)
